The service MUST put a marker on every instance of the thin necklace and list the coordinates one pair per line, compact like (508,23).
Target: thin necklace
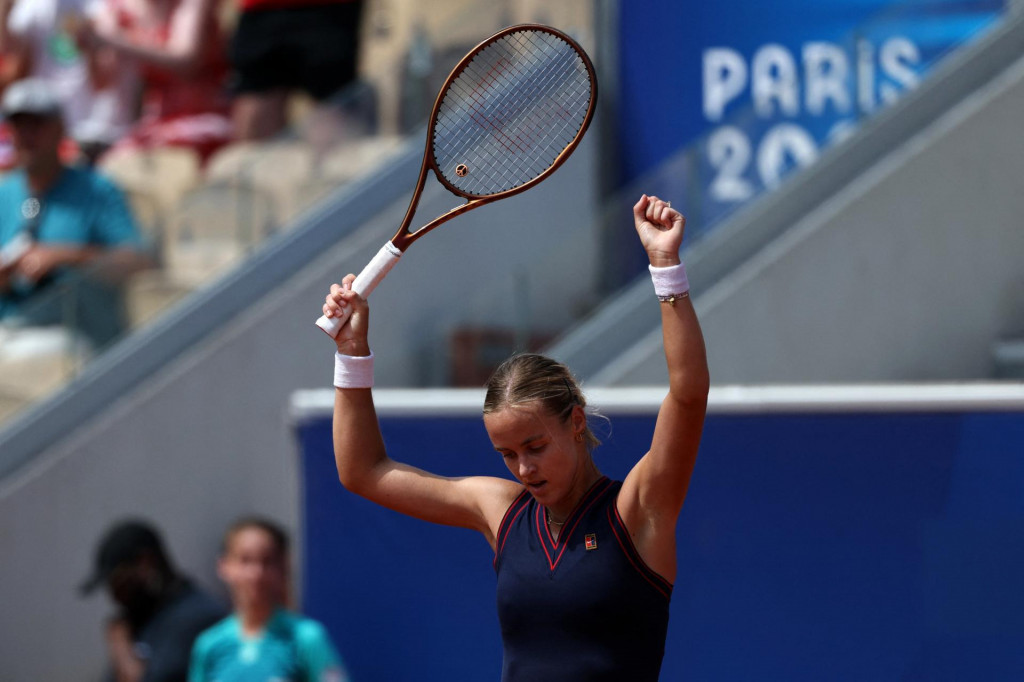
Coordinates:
(551,520)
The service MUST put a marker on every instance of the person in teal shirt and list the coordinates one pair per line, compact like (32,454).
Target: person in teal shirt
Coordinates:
(58,221)
(262,641)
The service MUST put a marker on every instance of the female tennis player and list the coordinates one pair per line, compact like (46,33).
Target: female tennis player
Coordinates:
(585,565)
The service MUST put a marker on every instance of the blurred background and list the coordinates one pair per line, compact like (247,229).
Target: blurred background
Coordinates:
(851,171)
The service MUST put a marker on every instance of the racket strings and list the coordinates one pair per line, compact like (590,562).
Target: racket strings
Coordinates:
(535,90)
(527,141)
(511,112)
(529,164)
(522,151)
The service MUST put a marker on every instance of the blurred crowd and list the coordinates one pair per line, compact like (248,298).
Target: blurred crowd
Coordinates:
(84,81)
(192,73)
(165,628)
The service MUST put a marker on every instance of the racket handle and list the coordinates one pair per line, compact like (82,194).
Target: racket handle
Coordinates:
(364,284)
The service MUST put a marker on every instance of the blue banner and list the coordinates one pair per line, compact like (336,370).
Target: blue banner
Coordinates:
(760,88)
(843,547)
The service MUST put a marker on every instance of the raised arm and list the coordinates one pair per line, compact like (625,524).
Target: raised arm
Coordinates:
(15,49)
(183,52)
(652,494)
(364,467)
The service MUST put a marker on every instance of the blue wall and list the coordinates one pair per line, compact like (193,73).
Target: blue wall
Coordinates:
(841,547)
(718,102)
(754,90)
(789,52)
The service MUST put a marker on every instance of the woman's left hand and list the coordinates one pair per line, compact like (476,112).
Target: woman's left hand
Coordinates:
(660,228)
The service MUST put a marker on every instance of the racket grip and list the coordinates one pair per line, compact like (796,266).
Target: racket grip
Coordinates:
(365,282)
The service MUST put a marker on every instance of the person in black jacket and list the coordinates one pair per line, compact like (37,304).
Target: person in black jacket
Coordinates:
(160,611)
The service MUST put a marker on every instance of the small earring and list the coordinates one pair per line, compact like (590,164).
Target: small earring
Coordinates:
(579,437)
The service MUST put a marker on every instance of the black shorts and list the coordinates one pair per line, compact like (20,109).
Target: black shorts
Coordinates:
(308,48)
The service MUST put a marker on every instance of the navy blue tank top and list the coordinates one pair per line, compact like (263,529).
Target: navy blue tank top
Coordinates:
(585,608)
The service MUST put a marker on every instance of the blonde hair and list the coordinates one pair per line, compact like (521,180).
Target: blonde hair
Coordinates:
(527,378)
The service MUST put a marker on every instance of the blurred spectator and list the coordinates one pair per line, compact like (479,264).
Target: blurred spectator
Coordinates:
(60,227)
(161,612)
(262,641)
(285,45)
(181,51)
(39,39)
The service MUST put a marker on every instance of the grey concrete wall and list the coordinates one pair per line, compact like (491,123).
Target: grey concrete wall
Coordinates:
(207,439)
(912,272)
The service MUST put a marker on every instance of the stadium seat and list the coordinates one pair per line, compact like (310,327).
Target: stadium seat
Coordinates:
(276,168)
(27,376)
(165,173)
(313,192)
(358,157)
(9,406)
(338,166)
(212,227)
(149,292)
(149,215)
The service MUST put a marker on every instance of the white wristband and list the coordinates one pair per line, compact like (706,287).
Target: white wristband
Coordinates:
(670,283)
(353,372)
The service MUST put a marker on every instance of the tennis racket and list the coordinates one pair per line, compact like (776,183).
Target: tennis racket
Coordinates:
(509,114)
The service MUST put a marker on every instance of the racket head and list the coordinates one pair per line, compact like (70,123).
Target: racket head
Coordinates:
(511,112)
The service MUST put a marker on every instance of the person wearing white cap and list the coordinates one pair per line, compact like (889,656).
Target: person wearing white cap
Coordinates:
(40,40)
(57,221)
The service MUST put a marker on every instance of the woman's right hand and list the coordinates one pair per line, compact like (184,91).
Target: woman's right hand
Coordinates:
(352,337)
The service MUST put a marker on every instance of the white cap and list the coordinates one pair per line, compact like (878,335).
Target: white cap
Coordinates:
(30,96)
